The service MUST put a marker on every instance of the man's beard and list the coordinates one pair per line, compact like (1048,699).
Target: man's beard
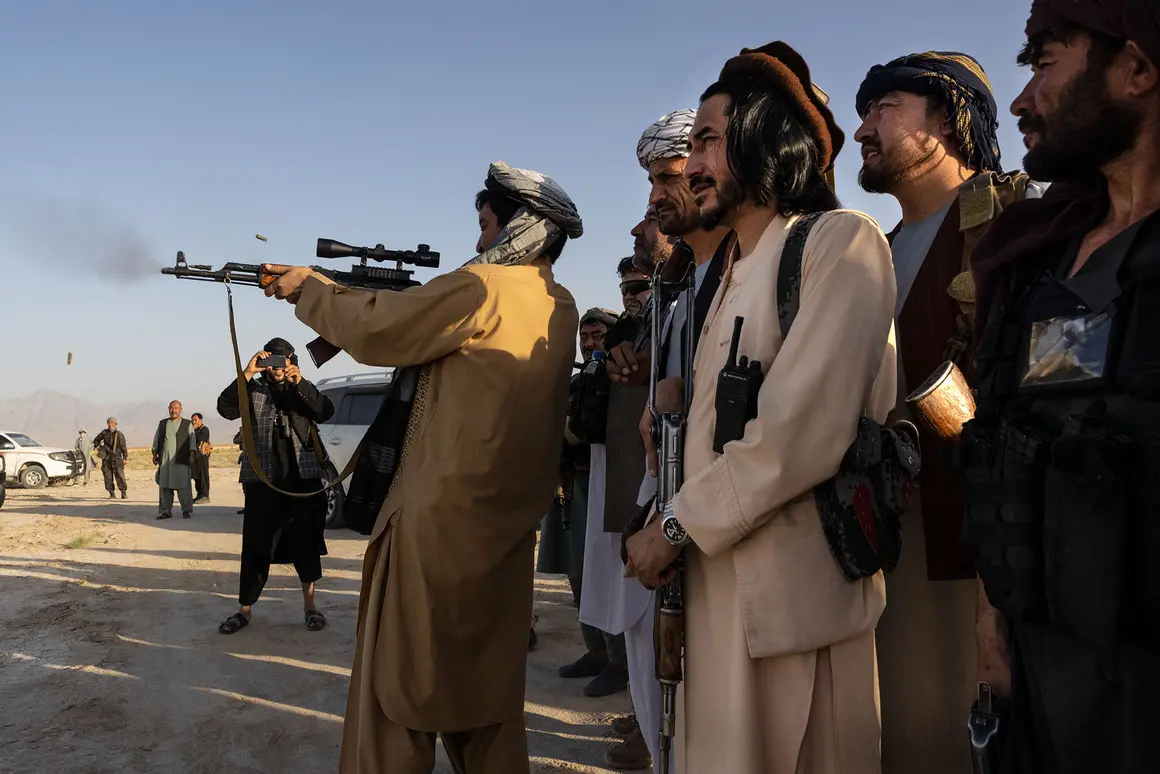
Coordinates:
(729,196)
(882,179)
(1087,130)
(676,221)
(647,261)
(891,170)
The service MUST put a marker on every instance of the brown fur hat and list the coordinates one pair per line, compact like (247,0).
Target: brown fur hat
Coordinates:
(781,66)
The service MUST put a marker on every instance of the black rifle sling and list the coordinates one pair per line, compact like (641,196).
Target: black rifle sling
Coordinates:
(248,447)
(789,271)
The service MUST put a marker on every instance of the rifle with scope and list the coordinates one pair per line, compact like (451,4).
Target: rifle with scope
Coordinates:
(361,276)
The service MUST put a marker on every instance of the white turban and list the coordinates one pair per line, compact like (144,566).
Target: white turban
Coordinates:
(667,138)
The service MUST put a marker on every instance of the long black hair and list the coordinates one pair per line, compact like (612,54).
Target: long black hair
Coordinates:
(771,153)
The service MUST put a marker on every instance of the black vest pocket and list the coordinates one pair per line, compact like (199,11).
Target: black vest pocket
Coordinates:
(1086,508)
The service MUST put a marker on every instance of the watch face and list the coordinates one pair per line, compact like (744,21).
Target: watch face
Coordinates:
(673,530)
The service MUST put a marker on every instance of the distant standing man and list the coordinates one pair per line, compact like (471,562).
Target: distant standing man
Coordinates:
(173,447)
(83,447)
(199,460)
(111,448)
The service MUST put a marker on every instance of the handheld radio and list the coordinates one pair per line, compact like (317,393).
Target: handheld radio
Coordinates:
(736,397)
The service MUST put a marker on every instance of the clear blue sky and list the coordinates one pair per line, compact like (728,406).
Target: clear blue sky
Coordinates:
(133,129)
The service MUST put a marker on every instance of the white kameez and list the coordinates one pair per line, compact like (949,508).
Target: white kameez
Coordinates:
(610,602)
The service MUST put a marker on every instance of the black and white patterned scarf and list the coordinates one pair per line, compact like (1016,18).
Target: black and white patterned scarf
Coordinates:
(547,212)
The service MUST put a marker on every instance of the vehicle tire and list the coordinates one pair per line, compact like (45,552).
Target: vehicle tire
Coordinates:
(33,477)
(3,493)
(335,498)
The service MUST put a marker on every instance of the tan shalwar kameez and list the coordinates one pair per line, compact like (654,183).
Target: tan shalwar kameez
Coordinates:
(780,671)
(447,579)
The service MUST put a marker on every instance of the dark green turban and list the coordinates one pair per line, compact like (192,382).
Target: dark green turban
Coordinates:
(959,83)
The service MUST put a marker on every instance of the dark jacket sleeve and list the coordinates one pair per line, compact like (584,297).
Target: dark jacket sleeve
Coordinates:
(227,404)
(201,435)
(311,403)
(123,448)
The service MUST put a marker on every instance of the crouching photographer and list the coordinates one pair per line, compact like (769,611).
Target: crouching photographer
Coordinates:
(285,505)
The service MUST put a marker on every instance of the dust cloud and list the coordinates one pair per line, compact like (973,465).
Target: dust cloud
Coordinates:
(78,236)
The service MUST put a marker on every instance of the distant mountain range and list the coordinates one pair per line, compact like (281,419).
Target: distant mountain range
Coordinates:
(54,418)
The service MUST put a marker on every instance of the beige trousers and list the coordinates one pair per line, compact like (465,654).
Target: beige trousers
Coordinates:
(926,663)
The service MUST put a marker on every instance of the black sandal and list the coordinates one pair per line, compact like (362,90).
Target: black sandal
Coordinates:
(233,623)
(315,620)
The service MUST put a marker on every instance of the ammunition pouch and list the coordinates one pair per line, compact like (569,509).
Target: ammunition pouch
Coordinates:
(1003,468)
(861,507)
(1085,530)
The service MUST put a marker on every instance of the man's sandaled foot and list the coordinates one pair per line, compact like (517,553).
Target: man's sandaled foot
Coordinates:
(233,623)
(161,516)
(315,620)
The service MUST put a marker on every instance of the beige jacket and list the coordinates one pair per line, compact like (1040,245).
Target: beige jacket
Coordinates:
(447,579)
(755,500)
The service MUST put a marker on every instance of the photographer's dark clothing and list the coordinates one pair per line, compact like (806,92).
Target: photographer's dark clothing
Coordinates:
(199,463)
(1063,499)
(278,528)
(116,454)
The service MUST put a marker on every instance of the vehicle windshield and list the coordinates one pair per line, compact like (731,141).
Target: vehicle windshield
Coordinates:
(23,440)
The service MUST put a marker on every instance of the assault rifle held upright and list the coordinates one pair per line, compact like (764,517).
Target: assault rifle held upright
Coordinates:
(361,276)
(669,437)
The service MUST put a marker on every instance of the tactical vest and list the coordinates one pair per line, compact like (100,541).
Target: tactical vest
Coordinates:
(980,201)
(1062,460)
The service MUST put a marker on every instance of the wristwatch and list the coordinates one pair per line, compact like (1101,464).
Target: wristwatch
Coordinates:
(672,529)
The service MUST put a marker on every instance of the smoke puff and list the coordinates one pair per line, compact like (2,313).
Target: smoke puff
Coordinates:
(79,234)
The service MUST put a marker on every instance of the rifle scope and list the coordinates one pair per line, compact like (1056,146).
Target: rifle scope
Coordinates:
(423,256)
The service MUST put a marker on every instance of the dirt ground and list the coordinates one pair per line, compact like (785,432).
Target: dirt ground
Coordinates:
(110,659)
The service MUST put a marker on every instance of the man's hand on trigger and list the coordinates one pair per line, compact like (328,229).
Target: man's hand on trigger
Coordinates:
(626,366)
(288,282)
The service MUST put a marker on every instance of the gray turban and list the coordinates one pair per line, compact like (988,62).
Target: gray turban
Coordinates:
(667,138)
(547,212)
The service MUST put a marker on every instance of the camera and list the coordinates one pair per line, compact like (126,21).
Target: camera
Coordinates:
(273,361)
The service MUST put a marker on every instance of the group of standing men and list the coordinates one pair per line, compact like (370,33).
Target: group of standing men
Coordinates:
(1031,539)
(180,451)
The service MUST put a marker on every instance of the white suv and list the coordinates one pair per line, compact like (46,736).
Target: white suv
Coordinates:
(32,464)
(356,400)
